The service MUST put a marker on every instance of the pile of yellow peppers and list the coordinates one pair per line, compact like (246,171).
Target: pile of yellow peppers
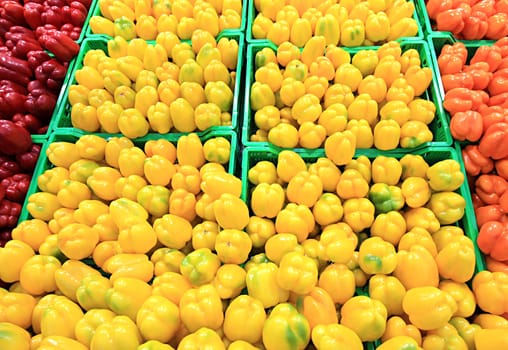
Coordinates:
(323,97)
(146,18)
(135,88)
(150,247)
(346,22)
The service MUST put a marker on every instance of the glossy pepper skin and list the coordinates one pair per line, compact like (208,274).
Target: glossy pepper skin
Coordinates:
(244,308)
(490,291)
(126,296)
(201,307)
(119,333)
(262,284)
(158,319)
(285,328)
(15,337)
(366,316)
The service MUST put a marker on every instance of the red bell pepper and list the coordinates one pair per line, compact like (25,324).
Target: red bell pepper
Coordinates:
(485,6)
(477,202)
(489,54)
(28,160)
(466,125)
(16,187)
(480,73)
(490,187)
(462,100)
(71,31)
(499,82)
(36,58)
(5,236)
(475,25)
(457,80)
(8,167)
(502,168)
(452,20)
(488,213)
(13,12)
(76,12)
(53,15)
(495,265)
(498,26)
(15,69)
(13,138)
(63,47)
(494,142)
(51,73)
(32,13)
(12,99)
(86,3)
(9,213)
(475,162)
(27,121)
(493,240)
(452,58)
(40,101)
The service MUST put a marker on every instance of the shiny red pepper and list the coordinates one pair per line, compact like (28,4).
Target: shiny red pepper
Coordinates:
(12,98)
(51,73)
(53,15)
(493,240)
(488,213)
(475,162)
(494,142)
(71,31)
(63,47)
(76,12)
(32,12)
(489,54)
(13,12)
(27,121)
(9,213)
(480,73)
(28,160)
(16,187)
(8,167)
(15,69)
(466,125)
(475,25)
(13,138)
(490,187)
(36,58)
(40,101)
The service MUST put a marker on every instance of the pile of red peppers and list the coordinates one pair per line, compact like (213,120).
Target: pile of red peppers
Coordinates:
(37,42)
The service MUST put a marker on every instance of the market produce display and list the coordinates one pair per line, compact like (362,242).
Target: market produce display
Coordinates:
(165,86)
(325,95)
(265,174)
(146,18)
(469,20)
(348,23)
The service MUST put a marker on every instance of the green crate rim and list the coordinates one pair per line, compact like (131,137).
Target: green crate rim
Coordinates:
(445,140)
(63,106)
(43,162)
(97,12)
(467,223)
(252,16)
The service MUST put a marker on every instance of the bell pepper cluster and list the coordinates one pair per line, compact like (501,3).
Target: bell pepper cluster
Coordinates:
(475,96)
(134,88)
(323,97)
(18,156)
(146,19)
(471,19)
(348,23)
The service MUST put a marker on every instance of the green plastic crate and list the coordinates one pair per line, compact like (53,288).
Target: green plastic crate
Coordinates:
(439,126)
(63,118)
(438,40)
(252,13)
(252,155)
(44,164)
(97,12)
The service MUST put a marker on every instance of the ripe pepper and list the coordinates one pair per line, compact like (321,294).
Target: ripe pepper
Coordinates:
(397,327)
(102,181)
(387,134)
(41,205)
(386,198)
(363,107)
(365,316)
(261,280)
(352,32)
(63,47)
(466,126)
(475,162)
(203,337)
(119,333)
(126,296)
(69,276)
(244,308)
(490,188)
(171,285)
(14,337)
(231,212)
(462,99)
(16,308)
(59,317)
(493,140)
(344,141)
(86,327)
(335,336)
(389,290)
(428,307)
(445,175)
(77,241)
(130,265)
(200,266)
(464,297)
(318,307)
(377,256)
(414,133)
(297,273)
(286,328)
(295,219)
(390,226)
(158,319)
(15,187)
(328,209)
(33,232)
(416,257)
(90,294)
(201,307)
(229,281)
(13,138)
(447,206)
(492,239)
(358,213)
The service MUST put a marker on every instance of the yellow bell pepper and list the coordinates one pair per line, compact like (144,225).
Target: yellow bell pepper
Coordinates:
(260,230)
(306,108)
(217,150)
(126,296)
(447,336)
(388,69)
(338,243)
(422,110)
(384,197)
(389,290)
(219,93)
(466,330)
(132,123)
(82,169)
(422,218)
(416,191)
(363,132)
(445,175)
(89,77)
(295,219)
(386,135)
(69,276)
(203,337)
(131,67)
(15,253)
(189,151)
(86,326)
(173,231)
(396,327)
(59,318)
(317,307)
(166,260)
(124,27)
(261,95)
(244,308)
(399,341)
(340,147)
(421,237)
(447,206)
(291,90)
(414,133)
(146,27)
(365,316)
(487,338)
(390,226)
(233,246)
(91,292)
(201,307)
(71,193)
(459,250)
(352,185)
(358,213)
(62,154)
(413,166)
(334,336)
(50,180)
(14,337)
(297,273)
(102,181)
(88,211)
(352,32)
(280,244)
(261,280)
(37,274)
(155,199)
(400,90)
(154,345)
(16,308)
(50,247)
(101,25)
(200,266)
(171,285)
(229,281)
(489,289)
(286,328)
(328,209)
(231,212)
(463,296)
(428,307)
(363,165)
(395,110)
(329,281)
(119,333)
(158,319)
(77,241)
(416,257)
(129,265)
(204,234)
(138,237)
(377,256)
(328,27)
(42,205)
(364,107)
(304,188)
